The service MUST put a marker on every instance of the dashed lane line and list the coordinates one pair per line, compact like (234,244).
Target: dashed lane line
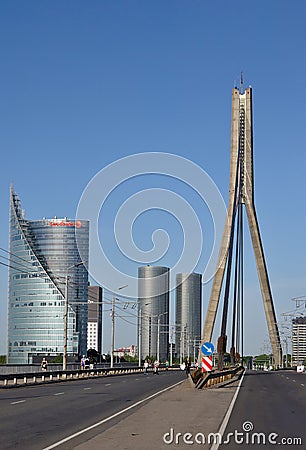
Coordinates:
(68,438)
(227,416)
(16,403)
(60,393)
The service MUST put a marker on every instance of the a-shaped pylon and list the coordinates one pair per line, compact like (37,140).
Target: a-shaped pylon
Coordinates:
(241,152)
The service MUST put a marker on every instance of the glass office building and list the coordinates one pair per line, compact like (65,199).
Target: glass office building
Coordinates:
(44,266)
(188,314)
(153,312)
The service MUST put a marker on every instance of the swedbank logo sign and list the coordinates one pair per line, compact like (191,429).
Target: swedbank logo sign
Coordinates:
(76,224)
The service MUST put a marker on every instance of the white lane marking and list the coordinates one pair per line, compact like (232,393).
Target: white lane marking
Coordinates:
(287,378)
(60,393)
(86,389)
(16,403)
(302,384)
(68,438)
(108,384)
(221,430)
(293,381)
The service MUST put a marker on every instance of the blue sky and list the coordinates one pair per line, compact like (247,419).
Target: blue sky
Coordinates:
(85,84)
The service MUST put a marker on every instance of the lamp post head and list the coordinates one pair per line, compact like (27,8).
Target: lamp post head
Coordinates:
(122,287)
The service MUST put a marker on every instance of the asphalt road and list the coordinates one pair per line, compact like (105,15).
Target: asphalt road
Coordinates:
(36,417)
(271,403)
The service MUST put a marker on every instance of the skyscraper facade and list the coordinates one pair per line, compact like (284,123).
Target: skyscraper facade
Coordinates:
(45,267)
(188,314)
(153,312)
(94,328)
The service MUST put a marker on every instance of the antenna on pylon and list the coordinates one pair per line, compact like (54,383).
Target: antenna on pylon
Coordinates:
(241,83)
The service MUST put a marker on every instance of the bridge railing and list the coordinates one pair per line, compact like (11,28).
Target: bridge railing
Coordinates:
(8,369)
(208,379)
(22,379)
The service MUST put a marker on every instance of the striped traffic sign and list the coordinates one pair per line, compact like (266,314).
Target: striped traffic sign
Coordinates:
(206,363)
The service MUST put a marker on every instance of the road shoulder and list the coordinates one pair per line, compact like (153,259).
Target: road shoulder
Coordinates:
(164,420)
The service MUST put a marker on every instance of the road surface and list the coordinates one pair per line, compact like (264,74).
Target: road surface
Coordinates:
(270,403)
(33,418)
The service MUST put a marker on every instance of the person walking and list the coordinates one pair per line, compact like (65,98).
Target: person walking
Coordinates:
(44,365)
(145,367)
(83,359)
(156,366)
(187,367)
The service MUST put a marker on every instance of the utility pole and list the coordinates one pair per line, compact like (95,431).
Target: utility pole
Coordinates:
(113,327)
(113,333)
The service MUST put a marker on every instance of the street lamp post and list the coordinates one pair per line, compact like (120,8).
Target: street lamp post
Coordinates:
(113,327)
(158,336)
(171,346)
(139,338)
(66,314)
(140,333)
(65,324)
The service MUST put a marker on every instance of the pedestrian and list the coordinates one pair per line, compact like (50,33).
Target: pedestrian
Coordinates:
(145,367)
(187,367)
(156,366)
(83,359)
(167,365)
(86,363)
(44,365)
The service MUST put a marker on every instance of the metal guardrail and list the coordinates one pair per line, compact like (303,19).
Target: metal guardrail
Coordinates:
(212,378)
(8,369)
(22,379)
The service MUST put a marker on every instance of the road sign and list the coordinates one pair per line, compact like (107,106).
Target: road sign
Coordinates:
(206,363)
(207,348)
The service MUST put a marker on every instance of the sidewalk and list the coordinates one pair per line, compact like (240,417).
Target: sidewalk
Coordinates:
(183,409)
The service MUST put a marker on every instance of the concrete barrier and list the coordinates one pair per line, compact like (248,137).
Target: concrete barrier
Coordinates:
(208,379)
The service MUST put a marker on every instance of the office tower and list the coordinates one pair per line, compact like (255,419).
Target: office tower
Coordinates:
(188,309)
(298,341)
(94,327)
(45,268)
(153,312)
